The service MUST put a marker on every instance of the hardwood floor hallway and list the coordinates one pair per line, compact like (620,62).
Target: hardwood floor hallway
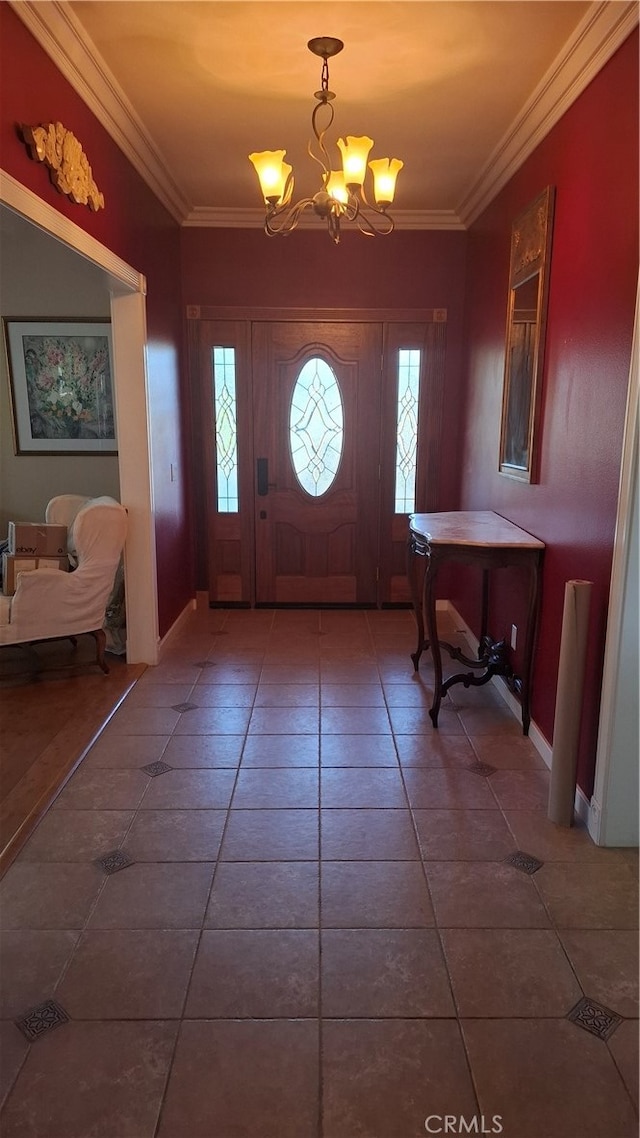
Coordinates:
(273,902)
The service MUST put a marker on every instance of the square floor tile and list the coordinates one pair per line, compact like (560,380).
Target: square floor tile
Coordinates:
(284,721)
(281,751)
(463,835)
(368,835)
(434,750)
(384,972)
(349,672)
(358,751)
(94,788)
(204,751)
(225,695)
(508,752)
(48,895)
(509,972)
(176,835)
(354,721)
(168,895)
(534,832)
(261,974)
(125,751)
(414,694)
(257,895)
(483,895)
(271,835)
(77,835)
(233,1072)
(521,790)
(190,790)
(214,721)
(623,1045)
(489,720)
(13,1049)
(352,695)
(142,721)
(375,894)
(447,789)
(362,787)
(589,895)
(383,1078)
(534,1074)
(272,788)
(220,671)
(606,963)
(417,721)
(32,963)
(102,1079)
(287,695)
(158,695)
(124,974)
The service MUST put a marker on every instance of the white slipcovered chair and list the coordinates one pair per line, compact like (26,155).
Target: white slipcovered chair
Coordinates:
(51,605)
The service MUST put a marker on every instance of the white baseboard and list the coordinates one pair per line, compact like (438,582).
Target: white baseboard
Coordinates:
(177,625)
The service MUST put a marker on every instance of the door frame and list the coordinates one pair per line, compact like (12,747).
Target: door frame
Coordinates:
(197,315)
(127,290)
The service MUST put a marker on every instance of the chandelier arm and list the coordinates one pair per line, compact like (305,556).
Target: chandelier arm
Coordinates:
(325,162)
(369,229)
(285,219)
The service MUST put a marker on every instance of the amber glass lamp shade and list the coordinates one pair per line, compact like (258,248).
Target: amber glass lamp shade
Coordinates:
(385,171)
(336,187)
(272,173)
(355,152)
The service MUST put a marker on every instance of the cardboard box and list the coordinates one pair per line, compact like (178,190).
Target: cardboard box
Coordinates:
(36,539)
(12,564)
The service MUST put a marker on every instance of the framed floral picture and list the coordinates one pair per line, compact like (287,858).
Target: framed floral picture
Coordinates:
(61,381)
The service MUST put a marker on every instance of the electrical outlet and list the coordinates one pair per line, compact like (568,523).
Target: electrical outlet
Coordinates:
(514,636)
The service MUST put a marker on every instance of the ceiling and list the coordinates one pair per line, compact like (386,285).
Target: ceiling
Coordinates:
(458,90)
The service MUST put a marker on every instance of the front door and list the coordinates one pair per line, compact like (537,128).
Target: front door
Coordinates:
(316,436)
(309,432)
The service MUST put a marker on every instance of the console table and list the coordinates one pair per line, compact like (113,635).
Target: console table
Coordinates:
(484,539)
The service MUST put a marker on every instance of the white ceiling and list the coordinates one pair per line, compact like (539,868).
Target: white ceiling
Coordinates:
(461,91)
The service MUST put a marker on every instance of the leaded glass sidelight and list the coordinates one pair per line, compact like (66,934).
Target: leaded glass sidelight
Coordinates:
(407,429)
(224,390)
(316,427)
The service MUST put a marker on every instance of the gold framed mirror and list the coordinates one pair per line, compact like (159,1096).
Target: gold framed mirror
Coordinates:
(526,323)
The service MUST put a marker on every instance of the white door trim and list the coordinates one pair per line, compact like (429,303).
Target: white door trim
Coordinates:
(613,814)
(127,289)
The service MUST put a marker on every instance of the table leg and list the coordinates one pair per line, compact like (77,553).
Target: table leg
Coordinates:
(429,604)
(415,561)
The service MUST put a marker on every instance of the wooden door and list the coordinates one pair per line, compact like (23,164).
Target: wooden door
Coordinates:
(316,543)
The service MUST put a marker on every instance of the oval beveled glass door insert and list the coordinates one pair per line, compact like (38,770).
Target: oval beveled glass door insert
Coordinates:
(316,426)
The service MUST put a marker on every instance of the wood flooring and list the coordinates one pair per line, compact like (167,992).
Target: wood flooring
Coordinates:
(48,721)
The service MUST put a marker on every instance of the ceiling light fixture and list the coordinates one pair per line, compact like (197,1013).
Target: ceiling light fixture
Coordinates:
(342,197)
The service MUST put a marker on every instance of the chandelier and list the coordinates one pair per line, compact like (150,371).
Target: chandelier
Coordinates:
(342,197)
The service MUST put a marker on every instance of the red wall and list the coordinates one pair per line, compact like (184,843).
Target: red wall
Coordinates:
(136,227)
(591,157)
(423,269)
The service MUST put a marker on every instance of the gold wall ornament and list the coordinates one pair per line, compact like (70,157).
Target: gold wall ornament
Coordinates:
(68,164)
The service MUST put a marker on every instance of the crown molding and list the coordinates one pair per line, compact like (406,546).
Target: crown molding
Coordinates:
(204,217)
(24,202)
(60,33)
(604,27)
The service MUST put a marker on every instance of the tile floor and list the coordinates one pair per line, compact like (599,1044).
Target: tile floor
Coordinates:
(274,902)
